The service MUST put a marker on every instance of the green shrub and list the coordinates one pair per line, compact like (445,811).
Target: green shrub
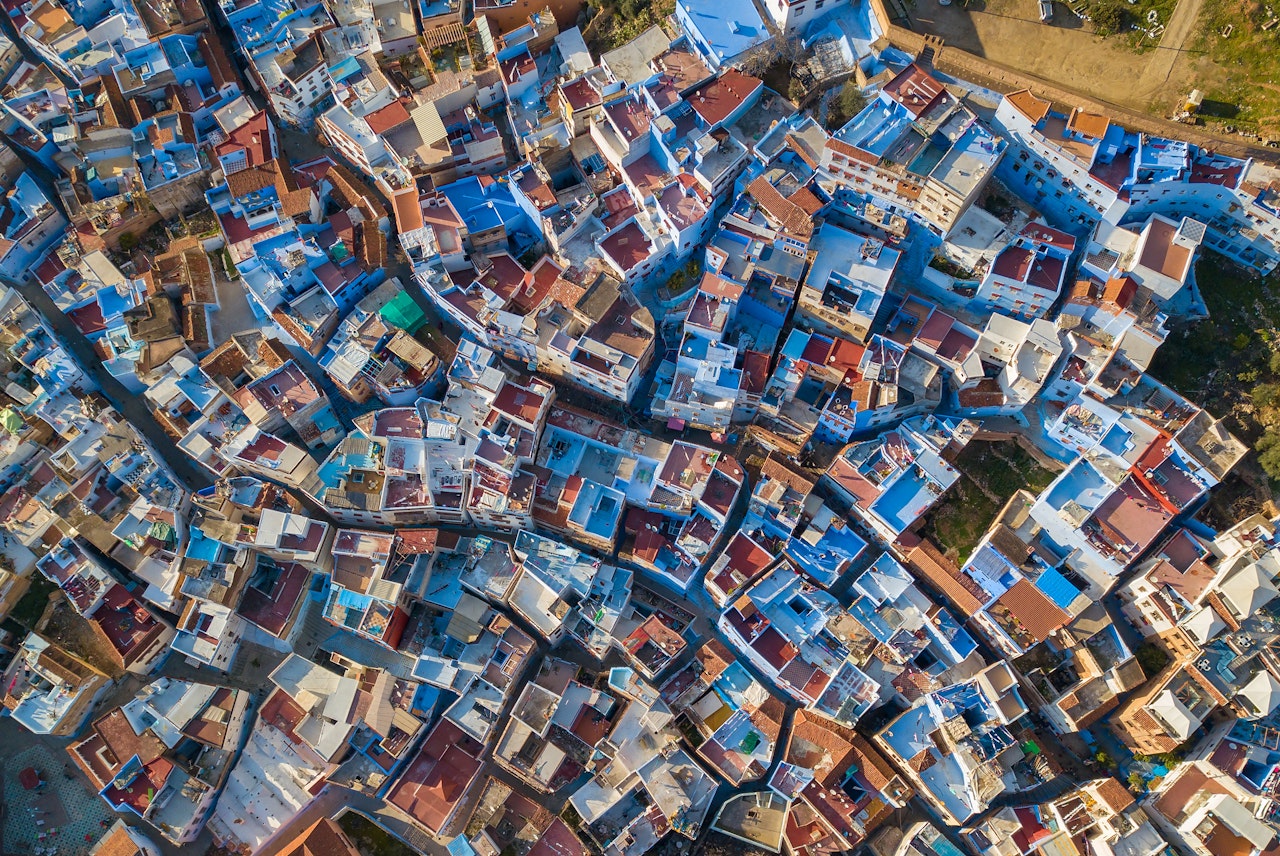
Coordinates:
(1109,17)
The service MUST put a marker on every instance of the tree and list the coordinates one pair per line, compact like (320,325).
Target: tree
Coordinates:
(1136,783)
(1108,18)
(1266,395)
(1268,447)
(779,49)
(128,242)
(1151,658)
(844,105)
(852,101)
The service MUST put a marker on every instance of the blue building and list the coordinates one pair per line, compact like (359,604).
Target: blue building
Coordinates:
(721,30)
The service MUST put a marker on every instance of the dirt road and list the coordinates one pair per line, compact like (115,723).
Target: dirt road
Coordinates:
(1161,62)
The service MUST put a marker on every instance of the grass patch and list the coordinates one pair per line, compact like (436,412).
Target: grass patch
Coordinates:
(1247,94)
(616,22)
(845,104)
(990,473)
(1151,658)
(229,266)
(30,607)
(1137,15)
(1230,366)
(371,839)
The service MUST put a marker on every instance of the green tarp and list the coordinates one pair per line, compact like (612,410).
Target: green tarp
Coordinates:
(401,311)
(11,421)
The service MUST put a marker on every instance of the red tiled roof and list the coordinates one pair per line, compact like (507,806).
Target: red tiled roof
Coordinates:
(1115,795)
(1120,291)
(1088,124)
(1043,234)
(408,210)
(928,563)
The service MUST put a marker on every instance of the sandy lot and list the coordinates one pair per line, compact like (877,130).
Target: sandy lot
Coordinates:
(1066,52)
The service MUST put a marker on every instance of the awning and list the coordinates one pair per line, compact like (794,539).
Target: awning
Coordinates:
(675,423)
(441,36)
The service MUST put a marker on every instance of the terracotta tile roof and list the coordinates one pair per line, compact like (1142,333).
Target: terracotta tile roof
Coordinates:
(777,469)
(251,180)
(116,842)
(915,89)
(716,286)
(789,216)
(1120,291)
(215,57)
(408,210)
(851,152)
(809,203)
(768,717)
(1038,615)
(1089,124)
(322,838)
(391,116)
(1043,234)
(820,745)
(1227,615)
(922,761)
(927,562)
(353,192)
(1084,290)
(1029,105)
(371,246)
(1115,795)
(714,657)
(716,99)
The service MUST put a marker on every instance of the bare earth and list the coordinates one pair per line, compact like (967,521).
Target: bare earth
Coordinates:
(1064,51)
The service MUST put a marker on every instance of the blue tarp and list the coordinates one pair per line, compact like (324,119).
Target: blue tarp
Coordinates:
(344,69)
(353,599)
(1056,587)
